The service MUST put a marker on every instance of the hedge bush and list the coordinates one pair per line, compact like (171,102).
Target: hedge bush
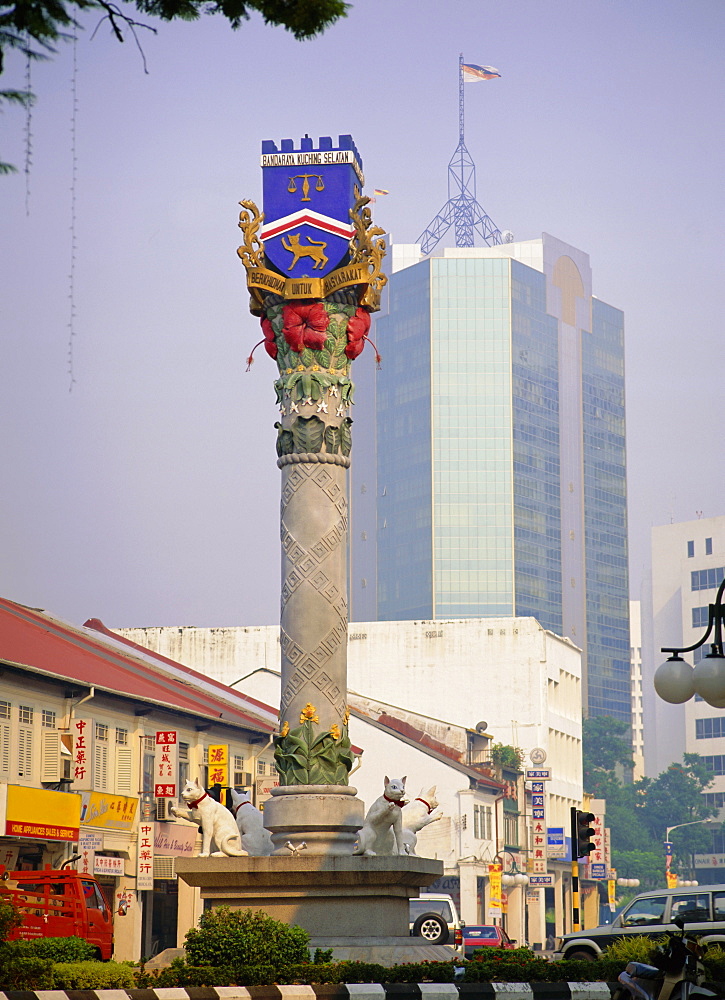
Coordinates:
(57,949)
(244,938)
(25,973)
(92,976)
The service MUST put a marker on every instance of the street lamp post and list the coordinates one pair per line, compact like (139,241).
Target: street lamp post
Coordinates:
(677,826)
(514,876)
(675,680)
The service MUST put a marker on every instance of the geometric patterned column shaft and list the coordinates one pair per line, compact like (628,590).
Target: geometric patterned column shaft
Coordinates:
(313,632)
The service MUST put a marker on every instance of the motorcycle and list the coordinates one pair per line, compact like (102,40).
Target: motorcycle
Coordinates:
(678,972)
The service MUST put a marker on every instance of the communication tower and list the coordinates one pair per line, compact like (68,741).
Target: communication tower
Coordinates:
(462,210)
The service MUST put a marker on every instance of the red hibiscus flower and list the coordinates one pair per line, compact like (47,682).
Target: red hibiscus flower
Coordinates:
(269,344)
(357,330)
(305,325)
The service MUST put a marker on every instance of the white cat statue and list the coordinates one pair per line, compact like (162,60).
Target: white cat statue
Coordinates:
(255,839)
(383,816)
(217,823)
(416,815)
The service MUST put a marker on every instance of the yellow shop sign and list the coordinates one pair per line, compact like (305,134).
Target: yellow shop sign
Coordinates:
(110,812)
(41,814)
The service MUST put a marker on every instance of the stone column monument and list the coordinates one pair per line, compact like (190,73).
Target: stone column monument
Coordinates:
(313,264)
(313,269)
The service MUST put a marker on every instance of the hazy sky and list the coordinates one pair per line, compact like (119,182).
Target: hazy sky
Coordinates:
(149,494)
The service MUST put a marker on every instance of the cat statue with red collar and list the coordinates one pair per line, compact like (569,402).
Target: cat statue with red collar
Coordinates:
(216,822)
(384,816)
(416,814)
(255,839)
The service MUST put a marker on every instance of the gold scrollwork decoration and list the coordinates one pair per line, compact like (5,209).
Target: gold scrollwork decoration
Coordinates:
(250,220)
(366,245)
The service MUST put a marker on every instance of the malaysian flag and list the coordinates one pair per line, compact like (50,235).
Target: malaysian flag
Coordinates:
(473,73)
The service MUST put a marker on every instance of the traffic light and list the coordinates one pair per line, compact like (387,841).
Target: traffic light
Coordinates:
(584,833)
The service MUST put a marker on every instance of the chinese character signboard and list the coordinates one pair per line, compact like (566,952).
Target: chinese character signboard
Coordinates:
(166,765)
(88,844)
(82,766)
(110,812)
(494,891)
(106,865)
(538,774)
(219,764)
(145,851)
(536,880)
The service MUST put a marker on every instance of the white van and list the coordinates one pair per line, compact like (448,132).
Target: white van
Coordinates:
(435,918)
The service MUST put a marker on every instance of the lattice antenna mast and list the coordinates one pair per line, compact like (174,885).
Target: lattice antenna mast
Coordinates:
(462,210)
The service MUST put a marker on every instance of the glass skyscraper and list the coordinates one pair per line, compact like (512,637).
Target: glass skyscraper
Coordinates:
(492,480)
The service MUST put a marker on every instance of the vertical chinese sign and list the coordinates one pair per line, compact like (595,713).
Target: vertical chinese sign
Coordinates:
(82,768)
(145,852)
(219,764)
(539,831)
(166,765)
(494,892)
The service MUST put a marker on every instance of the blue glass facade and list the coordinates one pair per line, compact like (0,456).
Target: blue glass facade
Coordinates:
(471,434)
(605,514)
(537,486)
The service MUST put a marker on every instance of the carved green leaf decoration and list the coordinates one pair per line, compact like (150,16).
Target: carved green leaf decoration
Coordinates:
(330,344)
(307,433)
(307,357)
(332,439)
(325,358)
(346,436)
(303,758)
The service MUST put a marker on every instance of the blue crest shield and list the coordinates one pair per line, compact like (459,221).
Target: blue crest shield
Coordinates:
(308,194)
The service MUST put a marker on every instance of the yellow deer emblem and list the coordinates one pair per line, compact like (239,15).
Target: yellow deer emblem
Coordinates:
(315,249)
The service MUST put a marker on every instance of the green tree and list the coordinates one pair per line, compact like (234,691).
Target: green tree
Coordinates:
(605,747)
(34,27)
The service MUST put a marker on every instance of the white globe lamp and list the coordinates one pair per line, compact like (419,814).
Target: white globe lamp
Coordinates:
(674,681)
(709,679)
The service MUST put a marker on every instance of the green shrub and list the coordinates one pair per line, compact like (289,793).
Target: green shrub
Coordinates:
(92,976)
(500,965)
(244,938)
(9,917)
(363,972)
(57,949)
(181,974)
(714,962)
(635,948)
(20,973)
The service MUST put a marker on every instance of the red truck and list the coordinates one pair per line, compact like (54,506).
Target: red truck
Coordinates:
(59,903)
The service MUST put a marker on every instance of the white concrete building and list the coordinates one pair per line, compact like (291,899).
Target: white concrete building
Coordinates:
(688,564)
(522,681)
(451,679)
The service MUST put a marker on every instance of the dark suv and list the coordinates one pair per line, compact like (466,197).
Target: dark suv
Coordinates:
(701,907)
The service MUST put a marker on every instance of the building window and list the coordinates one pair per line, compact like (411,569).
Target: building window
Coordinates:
(183,764)
(122,737)
(4,709)
(25,714)
(709,729)
(714,799)
(511,829)
(707,579)
(700,617)
(708,546)
(482,822)
(48,719)
(715,763)
(261,767)
(690,550)
(101,731)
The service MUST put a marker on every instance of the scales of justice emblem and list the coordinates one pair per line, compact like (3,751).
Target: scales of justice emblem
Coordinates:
(308,195)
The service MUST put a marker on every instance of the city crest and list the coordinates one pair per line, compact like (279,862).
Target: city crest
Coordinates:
(308,195)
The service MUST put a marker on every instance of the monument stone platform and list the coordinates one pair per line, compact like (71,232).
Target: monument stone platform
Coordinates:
(356,905)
